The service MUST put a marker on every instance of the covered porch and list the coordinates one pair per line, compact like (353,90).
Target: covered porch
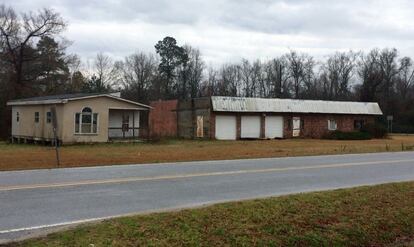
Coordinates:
(127,123)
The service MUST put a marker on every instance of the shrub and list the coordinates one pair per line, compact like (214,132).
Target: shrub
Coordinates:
(375,130)
(401,128)
(354,135)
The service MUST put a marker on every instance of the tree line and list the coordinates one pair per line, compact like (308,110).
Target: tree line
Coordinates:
(34,61)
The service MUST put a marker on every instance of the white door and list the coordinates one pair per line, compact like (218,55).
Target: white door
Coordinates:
(274,127)
(226,127)
(296,126)
(250,127)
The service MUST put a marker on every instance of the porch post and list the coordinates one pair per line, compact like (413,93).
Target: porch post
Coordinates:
(123,120)
(133,124)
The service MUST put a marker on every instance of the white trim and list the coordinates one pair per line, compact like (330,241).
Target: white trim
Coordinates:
(126,108)
(110,96)
(36,102)
(80,123)
(329,124)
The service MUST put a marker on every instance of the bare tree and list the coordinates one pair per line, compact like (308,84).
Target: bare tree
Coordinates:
(210,86)
(190,73)
(230,79)
(405,80)
(246,78)
(138,72)
(310,90)
(259,88)
(370,73)
(297,64)
(336,75)
(106,70)
(276,77)
(17,34)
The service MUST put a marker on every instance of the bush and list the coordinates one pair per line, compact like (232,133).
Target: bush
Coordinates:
(375,130)
(354,135)
(400,128)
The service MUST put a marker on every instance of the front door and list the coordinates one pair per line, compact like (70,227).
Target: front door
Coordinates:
(125,123)
(296,126)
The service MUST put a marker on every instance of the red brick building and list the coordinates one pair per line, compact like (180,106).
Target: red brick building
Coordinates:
(163,118)
(231,118)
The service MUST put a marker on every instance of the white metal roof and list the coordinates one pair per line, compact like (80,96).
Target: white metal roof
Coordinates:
(237,104)
(65,98)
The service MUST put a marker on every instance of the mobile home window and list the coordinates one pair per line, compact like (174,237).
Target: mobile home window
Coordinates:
(48,117)
(332,125)
(17,116)
(86,122)
(36,117)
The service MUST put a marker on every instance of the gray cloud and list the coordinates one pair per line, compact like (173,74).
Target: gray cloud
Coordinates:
(228,30)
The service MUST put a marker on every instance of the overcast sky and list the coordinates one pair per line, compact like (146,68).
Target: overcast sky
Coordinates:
(226,31)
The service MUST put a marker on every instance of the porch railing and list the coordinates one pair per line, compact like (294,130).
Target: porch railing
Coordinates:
(127,133)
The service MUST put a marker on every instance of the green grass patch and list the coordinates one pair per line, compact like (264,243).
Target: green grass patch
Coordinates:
(380,215)
(352,135)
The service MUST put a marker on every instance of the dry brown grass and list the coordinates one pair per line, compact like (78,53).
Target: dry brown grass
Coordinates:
(15,157)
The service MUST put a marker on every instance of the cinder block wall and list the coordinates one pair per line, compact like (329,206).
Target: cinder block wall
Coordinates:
(187,112)
(163,118)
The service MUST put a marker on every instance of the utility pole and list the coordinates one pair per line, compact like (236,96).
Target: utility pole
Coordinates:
(56,139)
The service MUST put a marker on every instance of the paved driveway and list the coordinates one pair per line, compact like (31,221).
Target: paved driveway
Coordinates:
(32,201)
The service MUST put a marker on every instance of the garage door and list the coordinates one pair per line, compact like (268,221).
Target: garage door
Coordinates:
(274,127)
(250,127)
(226,127)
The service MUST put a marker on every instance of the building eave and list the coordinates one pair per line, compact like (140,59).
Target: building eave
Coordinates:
(64,101)
(37,102)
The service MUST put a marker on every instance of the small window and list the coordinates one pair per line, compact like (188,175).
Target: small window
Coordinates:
(17,116)
(36,117)
(302,124)
(359,124)
(332,125)
(48,117)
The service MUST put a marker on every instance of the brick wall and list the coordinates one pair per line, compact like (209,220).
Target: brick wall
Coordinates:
(163,118)
(172,118)
(316,125)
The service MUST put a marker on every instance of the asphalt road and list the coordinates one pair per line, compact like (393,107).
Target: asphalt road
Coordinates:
(38,200)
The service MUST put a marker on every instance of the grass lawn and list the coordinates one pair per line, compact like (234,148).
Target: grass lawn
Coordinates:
(380,215)
(21,156)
